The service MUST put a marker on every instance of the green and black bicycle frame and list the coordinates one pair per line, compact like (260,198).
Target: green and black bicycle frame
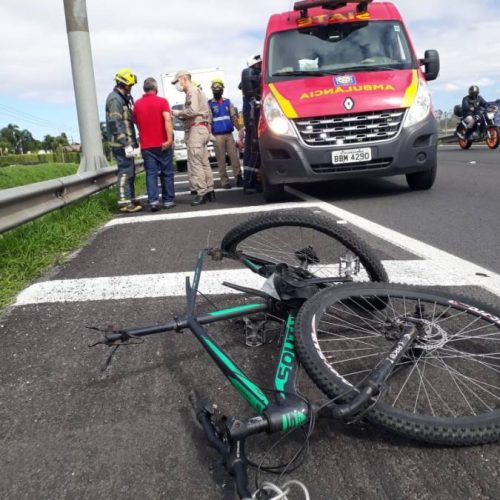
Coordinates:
(286,410)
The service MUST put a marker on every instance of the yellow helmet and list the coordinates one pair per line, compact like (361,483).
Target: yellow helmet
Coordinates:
(217,82)
(125,76)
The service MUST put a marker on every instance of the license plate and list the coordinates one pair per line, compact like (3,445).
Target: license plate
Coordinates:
(351,156)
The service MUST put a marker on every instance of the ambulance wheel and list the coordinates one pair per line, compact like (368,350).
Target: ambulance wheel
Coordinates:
(273,192)
(421,181)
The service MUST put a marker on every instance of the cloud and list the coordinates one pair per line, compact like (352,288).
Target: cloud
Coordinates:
(163,36)
(150,39)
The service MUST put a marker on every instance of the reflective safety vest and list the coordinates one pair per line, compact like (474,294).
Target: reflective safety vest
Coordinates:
(221,116)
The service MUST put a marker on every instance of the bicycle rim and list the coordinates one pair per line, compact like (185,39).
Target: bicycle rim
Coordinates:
(302,239)
(446,389)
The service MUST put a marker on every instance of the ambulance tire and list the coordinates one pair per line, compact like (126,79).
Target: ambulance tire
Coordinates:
(421,181)
(273,192)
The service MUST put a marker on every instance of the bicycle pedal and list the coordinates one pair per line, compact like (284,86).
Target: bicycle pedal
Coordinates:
(254,332)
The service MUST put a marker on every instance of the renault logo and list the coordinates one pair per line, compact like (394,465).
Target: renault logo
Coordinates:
(348,104)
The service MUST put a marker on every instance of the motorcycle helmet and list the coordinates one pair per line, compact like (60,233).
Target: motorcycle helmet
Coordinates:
(473,91)
(126,77)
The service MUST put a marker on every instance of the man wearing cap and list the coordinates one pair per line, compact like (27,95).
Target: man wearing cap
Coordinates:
(121,137)
(224,120)
(196,116)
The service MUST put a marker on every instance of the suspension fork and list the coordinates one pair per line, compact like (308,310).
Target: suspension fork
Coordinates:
(378,376)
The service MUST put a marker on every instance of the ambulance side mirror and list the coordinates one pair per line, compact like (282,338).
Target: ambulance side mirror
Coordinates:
(431,64)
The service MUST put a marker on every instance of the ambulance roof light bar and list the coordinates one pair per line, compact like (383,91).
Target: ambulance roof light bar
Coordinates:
(304,5)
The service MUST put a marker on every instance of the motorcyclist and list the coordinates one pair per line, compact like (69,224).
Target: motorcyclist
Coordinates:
(472,104)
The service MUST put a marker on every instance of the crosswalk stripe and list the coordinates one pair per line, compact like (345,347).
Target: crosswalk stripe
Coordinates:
(437,268)
(415,272)
(210,213)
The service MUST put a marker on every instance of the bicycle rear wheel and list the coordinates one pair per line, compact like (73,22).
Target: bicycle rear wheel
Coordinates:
(445,389)
(306,240)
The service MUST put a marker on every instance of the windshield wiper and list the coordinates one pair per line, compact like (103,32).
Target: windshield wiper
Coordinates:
(341,71)
(350,69)
(315,72)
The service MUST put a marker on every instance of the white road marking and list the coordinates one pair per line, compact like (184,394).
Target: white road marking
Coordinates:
(438,268)
(417,272)
(209,213)
(443,263)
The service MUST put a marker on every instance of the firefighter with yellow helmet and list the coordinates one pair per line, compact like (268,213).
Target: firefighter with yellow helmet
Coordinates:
(122,138)
(224,121)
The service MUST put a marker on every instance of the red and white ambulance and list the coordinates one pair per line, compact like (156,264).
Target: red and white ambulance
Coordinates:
(343,96)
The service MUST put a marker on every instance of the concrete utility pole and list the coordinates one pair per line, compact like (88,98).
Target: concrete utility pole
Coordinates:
(82,68)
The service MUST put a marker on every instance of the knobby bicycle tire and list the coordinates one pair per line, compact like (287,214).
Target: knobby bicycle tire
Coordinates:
(293,226)
(445,390)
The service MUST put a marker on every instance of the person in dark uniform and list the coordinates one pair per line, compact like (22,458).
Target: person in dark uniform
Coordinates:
(251,88)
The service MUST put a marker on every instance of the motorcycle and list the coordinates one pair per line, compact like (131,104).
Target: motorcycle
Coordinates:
(484,129)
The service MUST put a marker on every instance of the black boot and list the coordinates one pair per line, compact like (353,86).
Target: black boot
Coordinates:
(239,181)
(210,196)
(198,200)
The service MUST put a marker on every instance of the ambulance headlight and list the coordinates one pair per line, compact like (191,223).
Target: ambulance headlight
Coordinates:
(275,118)
(421,106)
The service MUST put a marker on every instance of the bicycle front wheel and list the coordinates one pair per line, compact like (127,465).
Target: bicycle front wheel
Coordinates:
(302,239)
(445,389)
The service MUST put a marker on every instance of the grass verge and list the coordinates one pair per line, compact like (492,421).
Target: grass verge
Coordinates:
(21,175)
(29,250)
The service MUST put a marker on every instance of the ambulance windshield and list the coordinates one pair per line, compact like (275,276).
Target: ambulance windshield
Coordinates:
(338,48)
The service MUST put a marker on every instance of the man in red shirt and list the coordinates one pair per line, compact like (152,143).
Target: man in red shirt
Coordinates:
(153,119)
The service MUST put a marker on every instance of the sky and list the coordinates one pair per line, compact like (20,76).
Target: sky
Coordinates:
(154,37)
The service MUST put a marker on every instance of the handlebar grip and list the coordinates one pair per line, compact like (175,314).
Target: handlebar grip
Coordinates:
(200,404)
(194,399)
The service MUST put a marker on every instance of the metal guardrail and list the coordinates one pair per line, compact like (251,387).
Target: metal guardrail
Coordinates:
(447,139)
(24,203)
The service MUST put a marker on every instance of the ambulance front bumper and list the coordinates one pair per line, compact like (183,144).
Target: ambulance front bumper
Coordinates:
(287,159)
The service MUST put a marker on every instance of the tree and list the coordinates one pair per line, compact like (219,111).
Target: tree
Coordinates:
(12,135)
(49,143)
(27,141)
(62,140)
(4,146)
(15,140)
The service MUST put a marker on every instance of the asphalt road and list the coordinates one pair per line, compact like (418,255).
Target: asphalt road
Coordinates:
(461,214)
(69,431)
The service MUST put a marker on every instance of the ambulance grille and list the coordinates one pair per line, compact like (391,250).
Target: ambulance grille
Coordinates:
(354,129)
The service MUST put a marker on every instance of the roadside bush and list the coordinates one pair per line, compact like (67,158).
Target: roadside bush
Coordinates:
(34,159)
